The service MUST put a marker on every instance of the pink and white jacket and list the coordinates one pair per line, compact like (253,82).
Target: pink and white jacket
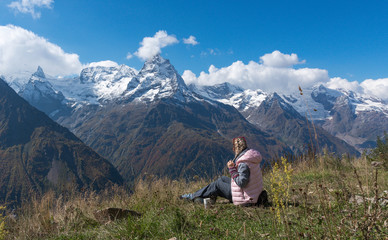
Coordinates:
(250,193)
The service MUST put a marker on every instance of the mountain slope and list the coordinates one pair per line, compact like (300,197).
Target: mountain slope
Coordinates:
(40,93)
(166,138)
(283,121)
(273,114)
(159,126)
(352,117)
(37,154)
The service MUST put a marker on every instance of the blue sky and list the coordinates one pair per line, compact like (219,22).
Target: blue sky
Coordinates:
(348,39)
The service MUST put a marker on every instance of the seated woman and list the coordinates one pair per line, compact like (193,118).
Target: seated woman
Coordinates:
(246,182)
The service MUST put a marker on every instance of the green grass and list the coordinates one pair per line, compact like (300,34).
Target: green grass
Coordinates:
(319,208)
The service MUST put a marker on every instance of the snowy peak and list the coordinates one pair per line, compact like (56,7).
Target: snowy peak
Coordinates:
(41,94)
(329,98)
(232,95)
(218,91)
(38,85)
(99,74)
(39,73)
(156,80)
(97,84)
(158,66)
(158,70)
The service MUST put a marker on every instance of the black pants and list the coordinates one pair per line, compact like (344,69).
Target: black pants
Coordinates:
(219,188)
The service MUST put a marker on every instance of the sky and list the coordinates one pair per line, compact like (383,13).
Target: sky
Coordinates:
(268,45)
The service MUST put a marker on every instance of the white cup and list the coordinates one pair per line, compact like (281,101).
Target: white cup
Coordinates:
(207,202)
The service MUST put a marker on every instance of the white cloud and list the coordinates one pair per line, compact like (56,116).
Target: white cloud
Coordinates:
(106,63)
(378,87)
(23,50)
(371,87)
(259,76)
(129,56)
(278,59)
(341,83)
(151,46)
(29,6)
(191,40)
(189,77)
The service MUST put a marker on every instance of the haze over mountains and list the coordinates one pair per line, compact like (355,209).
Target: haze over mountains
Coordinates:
(152,122)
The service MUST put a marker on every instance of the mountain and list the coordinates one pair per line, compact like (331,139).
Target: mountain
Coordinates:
(284,122)
(157,79)
(40,93)
(358,119)
(98,84)
(37,154)
(159,126)
(273,114)
(111,107)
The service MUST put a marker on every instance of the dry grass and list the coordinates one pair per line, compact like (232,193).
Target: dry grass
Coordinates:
(320,206)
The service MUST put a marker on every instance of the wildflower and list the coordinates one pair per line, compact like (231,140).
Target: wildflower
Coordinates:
(280,186)
(2,224)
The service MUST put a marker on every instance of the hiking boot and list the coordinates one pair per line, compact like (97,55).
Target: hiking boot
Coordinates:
(263,199)
(213,199)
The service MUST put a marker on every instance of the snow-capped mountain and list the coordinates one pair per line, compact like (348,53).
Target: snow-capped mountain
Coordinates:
(231,95)
(358,119)
(219,91)
(157,79)
(159,126)
(360,103)
(323,99)
(344,114)
(97,84)
(272,113)
(40,93)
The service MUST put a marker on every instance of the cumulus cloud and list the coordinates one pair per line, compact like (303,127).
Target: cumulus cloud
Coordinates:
(106,63)
(23,50)
(275,73)
(151,46)
(278,59)
(191,40)
(29,6)
(341,83)
(371,87)
(256,75)
(378,87)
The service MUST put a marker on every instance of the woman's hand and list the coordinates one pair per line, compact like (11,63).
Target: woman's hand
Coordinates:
(230,164)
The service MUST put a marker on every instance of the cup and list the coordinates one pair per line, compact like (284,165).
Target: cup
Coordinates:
(207,203)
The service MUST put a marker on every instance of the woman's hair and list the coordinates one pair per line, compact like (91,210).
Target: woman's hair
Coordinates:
(239,143)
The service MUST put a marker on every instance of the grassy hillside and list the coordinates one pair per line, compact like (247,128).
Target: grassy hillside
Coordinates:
(324,198)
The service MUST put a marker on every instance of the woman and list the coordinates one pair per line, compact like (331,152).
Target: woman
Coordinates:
(246,182)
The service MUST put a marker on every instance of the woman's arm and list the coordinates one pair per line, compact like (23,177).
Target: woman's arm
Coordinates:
(240,175)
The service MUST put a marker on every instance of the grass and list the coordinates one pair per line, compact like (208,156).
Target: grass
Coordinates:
(319,207)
